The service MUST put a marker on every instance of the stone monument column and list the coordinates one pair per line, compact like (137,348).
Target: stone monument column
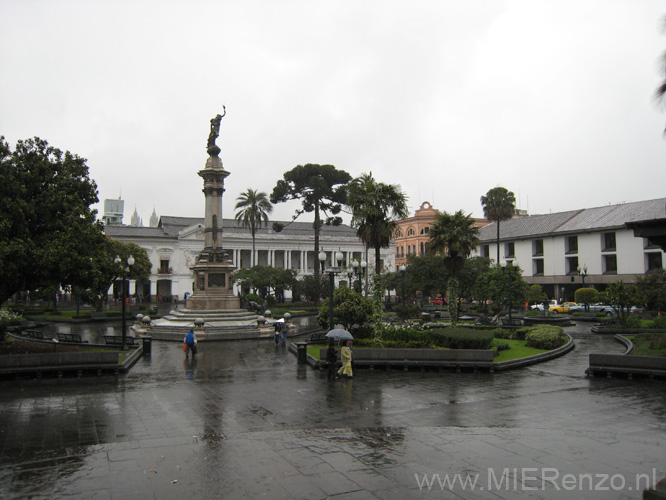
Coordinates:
(213,268)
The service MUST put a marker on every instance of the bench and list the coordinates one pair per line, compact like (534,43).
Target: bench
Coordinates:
(318,337)
(98,316)
(33,334)
(118,340)
(608,322)
(483,320)
(71,337)
(512,322)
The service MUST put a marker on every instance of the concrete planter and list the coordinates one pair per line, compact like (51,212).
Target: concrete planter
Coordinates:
(417,355)
(57,359)
(610,364)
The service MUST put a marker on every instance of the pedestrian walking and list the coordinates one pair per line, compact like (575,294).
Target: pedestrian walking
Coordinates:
(278,329)
(331,359)
(283,336)
(346,355)
(190,344)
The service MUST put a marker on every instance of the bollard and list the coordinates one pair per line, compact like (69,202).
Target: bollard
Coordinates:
(302,352)
(147,345)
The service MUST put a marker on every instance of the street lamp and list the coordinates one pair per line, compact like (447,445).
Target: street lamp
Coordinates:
(582,272)
(359,271)
(125,270)
(402,271)
(332,271)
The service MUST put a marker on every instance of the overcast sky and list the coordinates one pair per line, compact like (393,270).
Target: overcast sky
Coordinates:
(448,99)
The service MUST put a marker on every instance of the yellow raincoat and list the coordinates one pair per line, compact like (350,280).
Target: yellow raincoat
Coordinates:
(346,355)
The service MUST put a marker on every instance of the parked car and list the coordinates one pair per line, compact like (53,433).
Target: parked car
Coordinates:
(602,308)
(438,302)
(562,308)
(540,306)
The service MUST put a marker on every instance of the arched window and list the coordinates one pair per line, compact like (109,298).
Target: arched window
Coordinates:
(411,232)
(425,230)
(399,235)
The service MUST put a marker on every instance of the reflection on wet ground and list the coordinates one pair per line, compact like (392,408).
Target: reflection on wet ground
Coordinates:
(244,420)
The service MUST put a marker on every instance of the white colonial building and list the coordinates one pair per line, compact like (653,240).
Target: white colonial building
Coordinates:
(174,244)
(559,251)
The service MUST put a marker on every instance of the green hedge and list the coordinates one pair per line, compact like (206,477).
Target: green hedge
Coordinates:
(462,338)
(451,338)
(545,337)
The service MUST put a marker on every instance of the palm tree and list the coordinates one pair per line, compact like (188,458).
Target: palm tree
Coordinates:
(498,204)
(254,209)
(456,236)
(376,208)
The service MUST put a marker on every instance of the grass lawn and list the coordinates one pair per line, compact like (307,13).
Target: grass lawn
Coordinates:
(649,344)
(518,350)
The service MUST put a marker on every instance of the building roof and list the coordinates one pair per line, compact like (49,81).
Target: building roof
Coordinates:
(576,221)
(170,226)
(119,231)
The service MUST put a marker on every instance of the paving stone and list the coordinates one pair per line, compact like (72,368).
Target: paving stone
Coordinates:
(250,423)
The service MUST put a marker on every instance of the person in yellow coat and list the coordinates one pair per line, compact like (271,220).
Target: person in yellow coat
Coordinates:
(346,356)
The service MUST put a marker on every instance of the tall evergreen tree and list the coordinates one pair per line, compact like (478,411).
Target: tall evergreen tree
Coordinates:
(253,209)
(322,190)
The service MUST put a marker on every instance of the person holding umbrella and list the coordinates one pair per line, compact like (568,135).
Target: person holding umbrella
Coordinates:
(331,359)
(346,355)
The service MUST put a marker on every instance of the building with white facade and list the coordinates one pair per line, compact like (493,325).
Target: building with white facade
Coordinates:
(175,243)
(560,250)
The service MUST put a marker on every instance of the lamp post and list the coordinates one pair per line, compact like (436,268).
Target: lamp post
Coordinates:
(402,271)
(582,272)
(125,270)
(332,271)
(359,271)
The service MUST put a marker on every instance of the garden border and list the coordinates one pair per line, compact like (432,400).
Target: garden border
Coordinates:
(67,363)
(456,365)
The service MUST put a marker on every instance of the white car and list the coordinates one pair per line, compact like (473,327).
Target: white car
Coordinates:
(540,307)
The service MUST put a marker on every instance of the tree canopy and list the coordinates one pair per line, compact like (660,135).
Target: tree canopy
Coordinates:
(351,310)
(376,207)
(322,190)
(265,278)
(48,231)
(253,209)
(455,236)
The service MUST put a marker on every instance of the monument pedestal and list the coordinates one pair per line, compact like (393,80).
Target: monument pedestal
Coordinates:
(212,287)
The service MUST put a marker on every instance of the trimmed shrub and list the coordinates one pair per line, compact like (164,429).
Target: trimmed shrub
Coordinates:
(521,332)
(503,347)
(406,311)
(545,337)
(659,323)
(632,322)
(503,333)
(462,338)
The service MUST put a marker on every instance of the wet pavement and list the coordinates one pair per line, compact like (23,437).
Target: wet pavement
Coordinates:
(245,421)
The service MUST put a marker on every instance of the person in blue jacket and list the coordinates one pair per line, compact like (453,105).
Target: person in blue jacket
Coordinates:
(190,344)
